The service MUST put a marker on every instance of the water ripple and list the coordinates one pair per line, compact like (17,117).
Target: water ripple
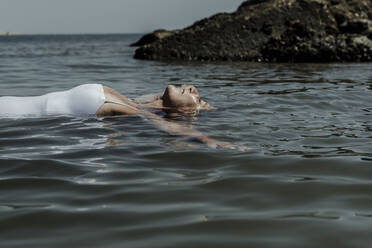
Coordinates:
(114,182)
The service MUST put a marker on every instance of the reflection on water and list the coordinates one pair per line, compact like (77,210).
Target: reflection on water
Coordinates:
(114,182)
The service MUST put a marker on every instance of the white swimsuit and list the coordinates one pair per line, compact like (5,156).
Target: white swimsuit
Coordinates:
(85,99)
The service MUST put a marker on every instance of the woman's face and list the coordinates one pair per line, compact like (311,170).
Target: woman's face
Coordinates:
(185,97)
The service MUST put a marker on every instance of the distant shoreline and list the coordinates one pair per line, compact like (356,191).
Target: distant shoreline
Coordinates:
(7,33)
(40,34)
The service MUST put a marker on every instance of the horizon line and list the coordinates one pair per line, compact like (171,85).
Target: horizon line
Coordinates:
(72,33)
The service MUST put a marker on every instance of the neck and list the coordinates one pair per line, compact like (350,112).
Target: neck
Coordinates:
(157,104)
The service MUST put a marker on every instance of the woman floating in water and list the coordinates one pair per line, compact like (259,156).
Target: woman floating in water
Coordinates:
(102,101)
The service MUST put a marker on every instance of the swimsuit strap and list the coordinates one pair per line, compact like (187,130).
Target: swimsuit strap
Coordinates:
(121,103)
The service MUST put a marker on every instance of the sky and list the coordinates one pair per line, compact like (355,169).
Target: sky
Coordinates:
(105,16)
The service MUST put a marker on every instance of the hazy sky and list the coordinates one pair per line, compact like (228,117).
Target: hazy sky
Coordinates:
(105,16)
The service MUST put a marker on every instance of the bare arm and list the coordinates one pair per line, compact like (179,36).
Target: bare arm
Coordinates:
(175,128)
(117,104)
(168,126)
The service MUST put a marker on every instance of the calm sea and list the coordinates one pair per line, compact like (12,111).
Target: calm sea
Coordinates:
(121,182)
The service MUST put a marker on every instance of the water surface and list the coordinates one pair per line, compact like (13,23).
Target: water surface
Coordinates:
(120,182)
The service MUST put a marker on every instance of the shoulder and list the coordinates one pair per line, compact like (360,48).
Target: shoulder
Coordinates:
(113,109)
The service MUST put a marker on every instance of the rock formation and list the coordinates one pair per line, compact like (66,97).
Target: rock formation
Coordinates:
(152,37)
(272,31)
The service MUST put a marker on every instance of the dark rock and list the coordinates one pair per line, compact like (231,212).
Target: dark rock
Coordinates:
(152,37)
(358,26)
(272,31)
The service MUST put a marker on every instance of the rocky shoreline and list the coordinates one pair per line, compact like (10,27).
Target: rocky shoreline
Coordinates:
(271,31)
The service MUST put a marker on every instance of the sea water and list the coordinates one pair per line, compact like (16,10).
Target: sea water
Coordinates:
(121,182)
